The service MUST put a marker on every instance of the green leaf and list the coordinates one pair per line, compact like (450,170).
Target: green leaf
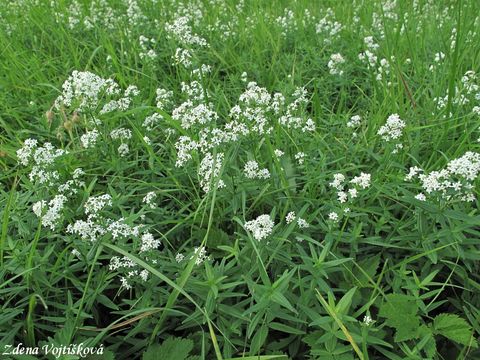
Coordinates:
(401,313)
(170,349)
(454,328)
(258,339)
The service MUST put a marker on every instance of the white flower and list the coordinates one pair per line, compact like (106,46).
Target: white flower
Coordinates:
(333,216)
(121,134)
(355,121)
(302,223)
(261,227)
(413,172)
(123,150)
(84,90)
(252,171)
(38,207)
(209,171)
(54,212)
(179,257)
(421,197)
(151,121)
(363,180)
(89,139)
(149,199)
(144,274)
(337,182)
(201,255)
(24,154)
(367,320)
(290,217)
(95,204)
(335,64)
(393,128)
(278,153)
(300,157)
(149,242)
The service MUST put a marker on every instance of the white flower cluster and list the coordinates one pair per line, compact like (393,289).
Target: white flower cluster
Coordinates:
(149,199)
(261,227)
(82,91)
(253,171)
(287,22)
(70,187)
(149,242)
(122,134)
(392,130)
(439,57)
(130,269)
(182,57)
(335,64)
(181,29)
(95,204)
(189,114)
(42,158)
(51,213)
(122,103)
(151,121)
(355,121)
(369,55)
(163,98)
(200,255)
(328,27)
(361,181)
(302,223)
(454,182)
(146,44)
(209,171)
(89,139)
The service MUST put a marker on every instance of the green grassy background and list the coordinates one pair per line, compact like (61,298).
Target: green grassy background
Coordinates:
(251,298)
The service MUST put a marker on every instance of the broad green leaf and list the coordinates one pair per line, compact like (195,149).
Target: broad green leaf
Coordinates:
(401,313)
(454,328)
(170,349)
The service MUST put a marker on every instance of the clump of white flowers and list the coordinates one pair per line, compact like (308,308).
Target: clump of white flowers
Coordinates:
(328,27)
(83,90)
(50,214)
(261,227)
(146,45)
(253,171)
(344,194)
(454,182)
(302,223)
(42,159)
(149,242)
(333,216)
(151,121)
(200,255)
(335,64)
(182,57)
(355,121)
(300,157)
(95,204)
(180,28)
(209,171)
(392,130)
(149,199)
(163,98)
(89,139)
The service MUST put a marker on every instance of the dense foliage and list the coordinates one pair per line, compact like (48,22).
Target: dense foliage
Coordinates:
(214,179)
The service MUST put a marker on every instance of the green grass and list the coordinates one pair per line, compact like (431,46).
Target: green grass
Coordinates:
(300,293)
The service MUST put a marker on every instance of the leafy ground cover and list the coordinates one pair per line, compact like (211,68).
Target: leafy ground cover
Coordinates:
(240,179)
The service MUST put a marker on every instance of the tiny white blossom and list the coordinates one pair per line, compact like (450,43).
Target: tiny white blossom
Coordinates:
(261,227)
